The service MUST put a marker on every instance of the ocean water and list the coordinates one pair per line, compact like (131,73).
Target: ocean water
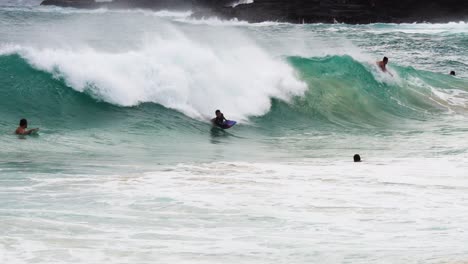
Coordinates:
(127,168)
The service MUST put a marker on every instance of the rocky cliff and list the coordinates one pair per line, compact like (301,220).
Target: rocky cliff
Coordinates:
(301,11)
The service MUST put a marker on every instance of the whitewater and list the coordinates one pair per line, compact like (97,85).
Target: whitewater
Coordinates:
(128,169)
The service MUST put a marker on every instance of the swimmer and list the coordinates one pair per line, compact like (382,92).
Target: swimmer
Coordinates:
(357,158)
(219,119)
(383,65)
(22,129)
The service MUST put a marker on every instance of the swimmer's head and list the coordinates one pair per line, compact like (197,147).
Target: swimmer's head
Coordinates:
(23,123)
(357,158)
(452,73)
(218,112)
(385,60)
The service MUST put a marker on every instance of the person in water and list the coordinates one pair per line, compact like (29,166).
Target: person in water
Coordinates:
(219,119)
(452,73)
(22,129)
(357,158)
(383,65)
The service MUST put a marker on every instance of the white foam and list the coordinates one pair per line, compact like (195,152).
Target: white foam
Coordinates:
(9,49)
(242,2)
(215,21)
(421,28)
(453,97)
(241,212)
(102,10)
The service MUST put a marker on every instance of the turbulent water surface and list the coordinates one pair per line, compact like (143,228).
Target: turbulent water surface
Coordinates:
(127,168)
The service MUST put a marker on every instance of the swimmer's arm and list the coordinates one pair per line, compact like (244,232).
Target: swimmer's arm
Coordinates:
(29,132)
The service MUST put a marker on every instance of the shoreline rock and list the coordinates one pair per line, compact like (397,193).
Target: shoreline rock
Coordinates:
(299,11)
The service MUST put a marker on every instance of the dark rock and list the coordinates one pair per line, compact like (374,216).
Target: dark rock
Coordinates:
(155,4)
(301,11)
(72,3)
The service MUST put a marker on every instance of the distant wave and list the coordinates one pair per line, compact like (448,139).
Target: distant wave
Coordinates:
(422,28)
(215,21)
(70,10)
(242,2)
(178,16)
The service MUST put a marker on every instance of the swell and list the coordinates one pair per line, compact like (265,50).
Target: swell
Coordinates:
(341,91)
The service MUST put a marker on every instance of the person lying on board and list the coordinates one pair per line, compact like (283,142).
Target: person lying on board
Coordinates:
(383,65)
(219,119)
(21,130)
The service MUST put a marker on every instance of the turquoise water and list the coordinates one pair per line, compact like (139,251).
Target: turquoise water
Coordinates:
(127,169)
